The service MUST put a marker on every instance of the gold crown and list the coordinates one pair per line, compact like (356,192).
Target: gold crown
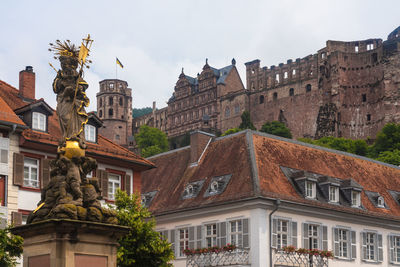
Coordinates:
(65,48)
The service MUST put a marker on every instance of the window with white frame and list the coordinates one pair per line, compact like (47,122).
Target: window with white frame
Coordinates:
(31,174)
(333,194)
(90,133)
(211,235)
(370,246)
(183,240)
(282,233)
(38,121)
(355,199)
(394,249)
(114,183)
(313,236)
(236,232)
(344,237)
(381,202)
(310,189)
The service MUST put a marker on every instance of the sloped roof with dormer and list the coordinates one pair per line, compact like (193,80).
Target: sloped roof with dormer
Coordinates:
(255,162)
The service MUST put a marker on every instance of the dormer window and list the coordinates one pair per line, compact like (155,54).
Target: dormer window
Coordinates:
(381,202)
(355,199)
(146,198)
(90,133)
(217,185)
(191,190)
(310,189)
(333,194)
(38,121)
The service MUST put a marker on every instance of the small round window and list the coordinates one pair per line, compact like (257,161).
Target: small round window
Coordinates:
(214,187)
(381,202)
(189,190)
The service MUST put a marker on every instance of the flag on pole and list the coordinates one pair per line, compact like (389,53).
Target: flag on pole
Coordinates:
(83,53)
(119,63)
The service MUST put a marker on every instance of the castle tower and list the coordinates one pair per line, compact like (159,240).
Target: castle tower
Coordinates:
(114,108)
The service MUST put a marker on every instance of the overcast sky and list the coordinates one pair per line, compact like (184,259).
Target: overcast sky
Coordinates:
(155,39)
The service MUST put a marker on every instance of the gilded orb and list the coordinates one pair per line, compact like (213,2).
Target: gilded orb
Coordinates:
(72,149)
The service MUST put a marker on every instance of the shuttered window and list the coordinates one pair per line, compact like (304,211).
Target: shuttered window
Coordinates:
(114,183)
(371,247)
(344,243)
(394,248)
(284,233)
(239,233)
(315,236)
(31,172)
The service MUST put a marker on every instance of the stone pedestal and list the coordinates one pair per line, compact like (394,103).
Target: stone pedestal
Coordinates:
(70,243)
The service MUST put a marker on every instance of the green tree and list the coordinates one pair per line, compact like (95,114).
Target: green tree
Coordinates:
(142,246)
(358,147)
(276,128)
(138,112)
(246,121)
(388,139)
(391,157)
(10,247)
(231,131)
(151,141)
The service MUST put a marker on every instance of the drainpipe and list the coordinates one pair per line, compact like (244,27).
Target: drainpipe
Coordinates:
(277,203)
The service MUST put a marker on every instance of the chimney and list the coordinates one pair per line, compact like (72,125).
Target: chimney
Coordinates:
(27,83)
(199,141)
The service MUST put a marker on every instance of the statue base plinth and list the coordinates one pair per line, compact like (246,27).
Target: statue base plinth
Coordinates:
(70,243)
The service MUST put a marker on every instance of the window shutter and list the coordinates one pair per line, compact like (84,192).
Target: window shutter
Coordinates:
(306,241)
(274,235)
(245,223)
(191,237)
(102,175)
(18,172)
(45,167)
(391,248)
(198,236)
(128,184)
(335,242)
(353,245)
(380,248)
(16,218)
(221,234)
(172,240)
(363,245)
(294,234)
(324,237)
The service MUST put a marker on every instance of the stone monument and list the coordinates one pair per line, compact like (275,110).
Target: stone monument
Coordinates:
(69,227)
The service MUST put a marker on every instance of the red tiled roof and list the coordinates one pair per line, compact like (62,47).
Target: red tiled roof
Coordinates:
(104,150)
(7,114)
(255,161)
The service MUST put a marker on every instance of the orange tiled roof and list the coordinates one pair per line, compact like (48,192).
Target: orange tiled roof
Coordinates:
(103,149)
(255,160)
(7,114)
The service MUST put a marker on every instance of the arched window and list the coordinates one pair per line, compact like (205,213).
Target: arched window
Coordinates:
(291,92)
(120,101)
(110,112)
(275,96)
(100,113)
(308,88)
(261,99)
(227,112)
(110,101)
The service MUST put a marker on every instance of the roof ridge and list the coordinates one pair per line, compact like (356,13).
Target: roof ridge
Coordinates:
(323,148)
(253,163)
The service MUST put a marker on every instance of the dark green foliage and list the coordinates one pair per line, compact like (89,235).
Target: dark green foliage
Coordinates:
(137,112)
(276,128)
(358,147)
(10,247)
(246,121)
(388,139)
(391,157)
(142,246)
(151,141)
(231,131)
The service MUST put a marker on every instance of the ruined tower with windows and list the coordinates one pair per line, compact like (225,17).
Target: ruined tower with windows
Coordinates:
(114,108)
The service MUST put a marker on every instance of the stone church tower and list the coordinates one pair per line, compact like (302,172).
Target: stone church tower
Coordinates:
(114,108)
